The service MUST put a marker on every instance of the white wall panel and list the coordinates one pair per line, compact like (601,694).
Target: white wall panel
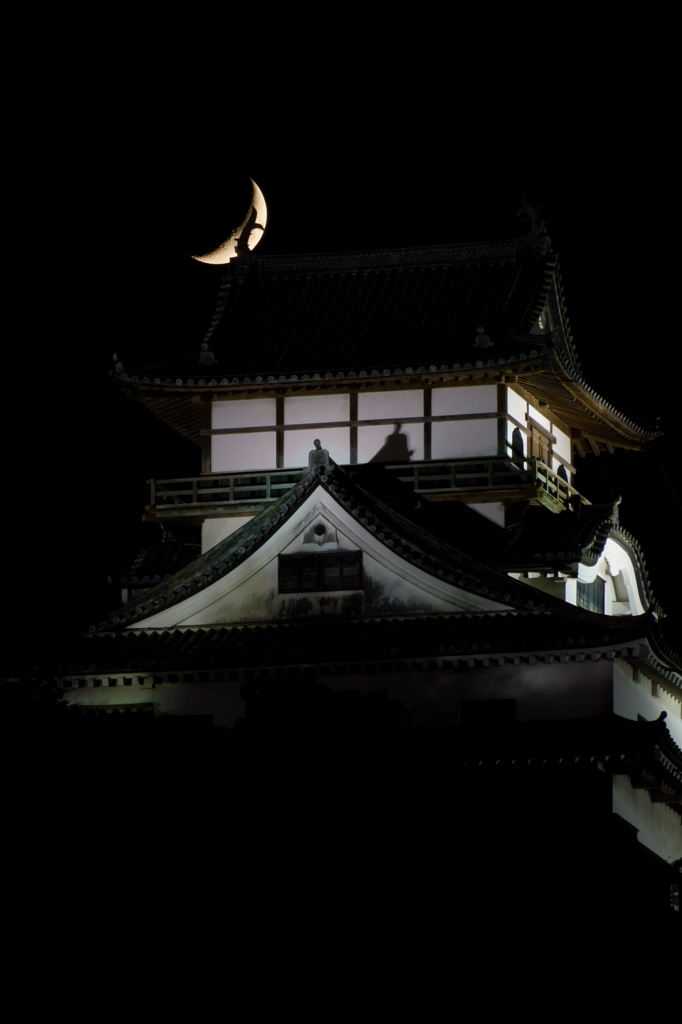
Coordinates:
(383,441)
(215,530)
(562,447)
(516,407)
(493,510)
(231,453)
(459,401)
(316,409)
(258,412)
(463,439)
(539,418)
(299,443)
(385,445)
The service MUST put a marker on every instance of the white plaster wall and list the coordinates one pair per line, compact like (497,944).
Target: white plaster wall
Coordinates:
(517,406)
(312,409)
(215,530)
(493,510)
(249,593)
(464,439)
(562,447)
(616,561)
(631,699)
(231,453)
(299,443)
(393,405)
(459,401)
(657,824)
(316,408)
(539,418)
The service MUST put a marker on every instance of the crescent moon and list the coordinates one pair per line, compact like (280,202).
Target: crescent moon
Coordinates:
(246,236)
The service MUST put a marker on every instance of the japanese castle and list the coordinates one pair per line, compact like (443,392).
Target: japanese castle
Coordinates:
(386,498)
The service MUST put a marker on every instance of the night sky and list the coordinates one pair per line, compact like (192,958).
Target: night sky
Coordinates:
(123,283)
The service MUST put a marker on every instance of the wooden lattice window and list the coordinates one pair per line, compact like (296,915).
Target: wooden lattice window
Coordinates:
(591,595)
(305,574)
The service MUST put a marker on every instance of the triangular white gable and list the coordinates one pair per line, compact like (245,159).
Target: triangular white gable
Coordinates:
(249,592)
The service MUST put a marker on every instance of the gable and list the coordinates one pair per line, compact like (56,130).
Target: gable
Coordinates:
(249,593)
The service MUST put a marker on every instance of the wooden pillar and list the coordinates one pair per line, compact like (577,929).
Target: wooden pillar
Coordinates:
(502,420)
(206,424)
(427,423)
(279,420)
(353,430)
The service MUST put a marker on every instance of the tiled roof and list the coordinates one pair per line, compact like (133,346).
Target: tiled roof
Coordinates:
(399,315)
(323,641)
(421,547)
(158,562)
(347,312)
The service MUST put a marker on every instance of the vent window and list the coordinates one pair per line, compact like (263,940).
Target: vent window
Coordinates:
(305,574)
(591,595)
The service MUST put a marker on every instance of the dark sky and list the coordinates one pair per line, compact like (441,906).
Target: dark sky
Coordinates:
(124,283)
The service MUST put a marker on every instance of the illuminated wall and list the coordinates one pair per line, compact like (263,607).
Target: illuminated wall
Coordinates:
(396,439)
(463,439)
(518,411)
(636,696)
(316,409)
(383,442)
(233,452)
(215,530)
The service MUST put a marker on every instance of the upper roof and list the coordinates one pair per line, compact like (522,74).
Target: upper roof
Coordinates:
(401,316)
(349,312)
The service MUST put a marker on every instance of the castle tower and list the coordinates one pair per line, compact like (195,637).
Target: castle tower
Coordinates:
(386,494)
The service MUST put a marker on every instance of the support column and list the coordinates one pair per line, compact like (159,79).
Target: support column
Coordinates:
(353,430)
(279,437)
(206,424)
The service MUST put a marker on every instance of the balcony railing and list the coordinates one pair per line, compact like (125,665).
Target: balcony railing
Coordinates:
(223,488)
(490,474)
(483,479)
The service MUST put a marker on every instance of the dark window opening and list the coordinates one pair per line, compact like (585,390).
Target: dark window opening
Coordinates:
(591,595)
(340,570)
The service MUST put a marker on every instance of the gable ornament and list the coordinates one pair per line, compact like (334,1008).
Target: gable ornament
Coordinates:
(318,460)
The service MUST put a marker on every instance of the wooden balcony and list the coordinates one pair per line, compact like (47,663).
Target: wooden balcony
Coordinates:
(491,479)
(471,480)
